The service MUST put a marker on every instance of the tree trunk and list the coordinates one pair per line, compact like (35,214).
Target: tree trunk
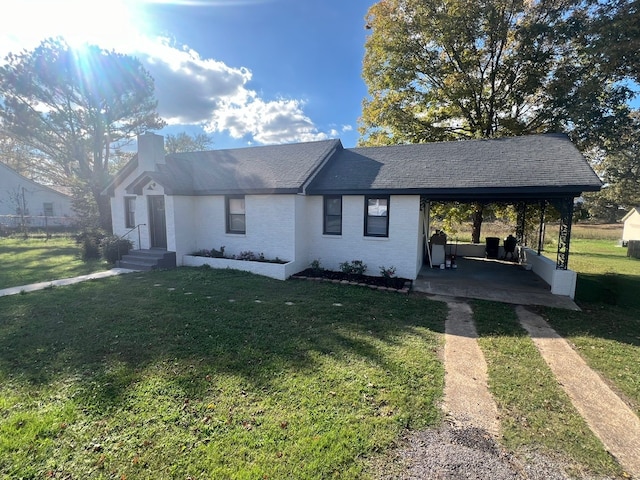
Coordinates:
(104,209)
(477,222)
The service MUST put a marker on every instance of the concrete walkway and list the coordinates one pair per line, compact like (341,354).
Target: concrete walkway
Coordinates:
(466,392)
(65,281)
(612,421)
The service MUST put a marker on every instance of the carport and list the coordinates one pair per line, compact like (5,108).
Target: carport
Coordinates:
(542,170)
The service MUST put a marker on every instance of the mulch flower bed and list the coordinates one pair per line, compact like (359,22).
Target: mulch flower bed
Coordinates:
(398,284)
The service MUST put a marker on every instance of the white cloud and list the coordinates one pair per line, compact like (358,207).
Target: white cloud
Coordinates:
(347,128)
(194,90)
(267,122)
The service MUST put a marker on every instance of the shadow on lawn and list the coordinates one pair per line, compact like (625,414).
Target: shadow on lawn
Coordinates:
(193,322)
(610,309)
(610,289)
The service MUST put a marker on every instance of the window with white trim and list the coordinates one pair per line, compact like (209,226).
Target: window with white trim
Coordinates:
(235,213)
(376,216)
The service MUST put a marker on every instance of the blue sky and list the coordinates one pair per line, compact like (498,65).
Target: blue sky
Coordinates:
(249,72)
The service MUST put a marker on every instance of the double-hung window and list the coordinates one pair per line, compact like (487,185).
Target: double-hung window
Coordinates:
(332,215)
(129,212)
(376,216)
(235,211)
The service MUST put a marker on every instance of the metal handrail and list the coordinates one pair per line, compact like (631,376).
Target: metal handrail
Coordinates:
(131,230)
(127,233)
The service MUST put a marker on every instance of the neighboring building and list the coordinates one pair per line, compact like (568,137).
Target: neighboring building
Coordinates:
(318,200)
(631,229)
(22,198)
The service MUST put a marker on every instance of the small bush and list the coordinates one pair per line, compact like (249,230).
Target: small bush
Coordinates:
(356,267)
(114,247)
(315,266)
(389,272)
(89,241)
(246,255)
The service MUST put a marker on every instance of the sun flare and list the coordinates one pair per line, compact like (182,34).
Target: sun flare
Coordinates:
(116,24)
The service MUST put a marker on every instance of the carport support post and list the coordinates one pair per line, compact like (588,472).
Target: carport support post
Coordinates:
(543,206)
(521,210)
(565,207)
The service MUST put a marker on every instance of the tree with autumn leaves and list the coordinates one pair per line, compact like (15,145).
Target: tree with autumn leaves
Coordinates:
(440,70)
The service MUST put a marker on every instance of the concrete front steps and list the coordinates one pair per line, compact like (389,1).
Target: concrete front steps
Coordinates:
(148,259)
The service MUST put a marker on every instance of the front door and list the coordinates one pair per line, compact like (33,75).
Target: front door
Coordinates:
(157,222)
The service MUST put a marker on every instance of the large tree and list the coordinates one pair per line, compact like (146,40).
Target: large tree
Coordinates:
(453,69)
(183,142)
(74,107)
(618,164)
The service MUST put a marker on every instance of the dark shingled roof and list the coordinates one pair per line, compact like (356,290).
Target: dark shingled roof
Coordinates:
(266,169)
(513,168)
(506,168)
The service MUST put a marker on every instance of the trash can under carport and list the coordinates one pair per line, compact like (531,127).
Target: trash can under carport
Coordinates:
(493,247)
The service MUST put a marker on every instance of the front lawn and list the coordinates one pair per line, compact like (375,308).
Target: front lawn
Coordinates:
(200,373)
(34,260)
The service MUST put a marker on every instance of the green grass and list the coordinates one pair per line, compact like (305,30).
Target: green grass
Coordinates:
(184,374)
(606,333)
(607,330)
(35,260)
(534,410)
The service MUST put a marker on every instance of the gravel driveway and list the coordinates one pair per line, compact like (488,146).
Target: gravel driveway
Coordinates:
(452,452)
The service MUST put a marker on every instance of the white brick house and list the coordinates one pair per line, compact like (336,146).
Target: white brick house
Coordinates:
(318,200)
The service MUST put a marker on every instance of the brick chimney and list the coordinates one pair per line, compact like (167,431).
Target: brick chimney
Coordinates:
(150,151)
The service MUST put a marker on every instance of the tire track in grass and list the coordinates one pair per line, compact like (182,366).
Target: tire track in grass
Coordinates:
(607,415)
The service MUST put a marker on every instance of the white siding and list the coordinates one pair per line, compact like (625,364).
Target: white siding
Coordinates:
(422,234)
(302,233)
(182,222)
(400,249)
(631,230)
(14,186)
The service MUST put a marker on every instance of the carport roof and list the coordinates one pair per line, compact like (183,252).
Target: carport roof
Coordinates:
(534,166)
